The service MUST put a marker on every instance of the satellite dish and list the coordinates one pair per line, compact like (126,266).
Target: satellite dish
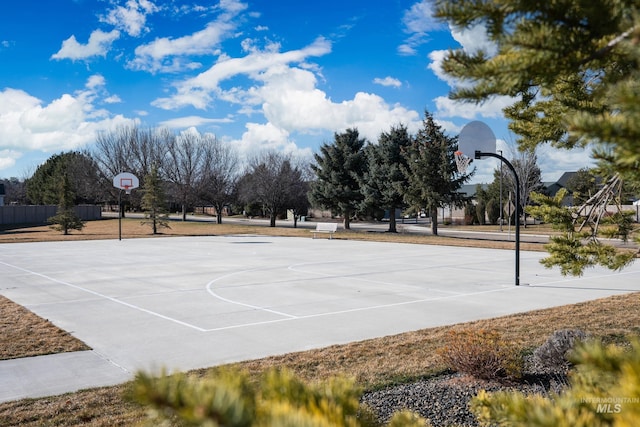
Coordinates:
(476,136)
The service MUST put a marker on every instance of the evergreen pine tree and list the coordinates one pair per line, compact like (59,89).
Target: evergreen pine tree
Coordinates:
(339,169)
(572,68)
(66,218)
(384,182)
(154,200)
(432,176)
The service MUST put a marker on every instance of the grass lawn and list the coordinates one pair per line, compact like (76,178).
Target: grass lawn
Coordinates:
(374,363)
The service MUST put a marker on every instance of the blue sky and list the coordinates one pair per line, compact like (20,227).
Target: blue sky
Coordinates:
(278,74)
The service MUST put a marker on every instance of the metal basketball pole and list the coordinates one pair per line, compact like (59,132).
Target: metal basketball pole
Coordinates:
(120,215)
(479,155)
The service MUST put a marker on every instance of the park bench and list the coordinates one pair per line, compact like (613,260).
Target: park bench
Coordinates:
(325,227)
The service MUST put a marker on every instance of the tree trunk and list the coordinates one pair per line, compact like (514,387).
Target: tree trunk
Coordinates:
(184,212)
(272,218)
(295,221)
(434,221)
(347,220)
(392,220)
(219,217)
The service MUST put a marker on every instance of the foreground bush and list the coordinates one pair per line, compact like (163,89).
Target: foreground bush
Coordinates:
(604,391)
(482,354)
(230,398)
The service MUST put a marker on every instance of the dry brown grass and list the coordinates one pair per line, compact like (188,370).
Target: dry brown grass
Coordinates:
(23,334)
(374,363)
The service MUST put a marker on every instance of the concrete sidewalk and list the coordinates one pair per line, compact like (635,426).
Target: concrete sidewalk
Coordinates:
(186,303)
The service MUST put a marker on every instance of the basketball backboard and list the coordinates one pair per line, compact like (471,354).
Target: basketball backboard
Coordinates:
(476,136)
(126,181)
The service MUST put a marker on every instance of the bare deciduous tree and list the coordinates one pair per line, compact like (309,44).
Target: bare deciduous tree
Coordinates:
(219,177)
(131,149)
(274,182)
(526,165)
(184,166)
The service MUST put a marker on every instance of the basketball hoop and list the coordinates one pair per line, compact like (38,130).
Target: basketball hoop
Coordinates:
(124,181)
(462,162)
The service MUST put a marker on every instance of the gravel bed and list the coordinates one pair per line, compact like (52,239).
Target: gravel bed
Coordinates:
(444,400)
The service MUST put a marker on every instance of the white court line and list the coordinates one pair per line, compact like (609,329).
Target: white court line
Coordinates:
(330,313)
(417,301)
(230,301)
(353,310)
(98,294)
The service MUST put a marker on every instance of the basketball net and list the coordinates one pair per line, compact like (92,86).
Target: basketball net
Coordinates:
(462,162)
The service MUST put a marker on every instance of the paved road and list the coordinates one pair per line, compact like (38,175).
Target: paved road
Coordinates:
(192,302)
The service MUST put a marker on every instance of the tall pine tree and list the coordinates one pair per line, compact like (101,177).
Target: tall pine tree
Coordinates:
(339,169)
(66,218)
(432,176)
(384,181)
(154,200)
(571,67)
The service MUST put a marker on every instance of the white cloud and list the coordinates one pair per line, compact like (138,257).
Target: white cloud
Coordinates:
(66,123)
(113,99)
(95,81)
(8,158)
(418,22)
(471,40)
(199,91)
(387,81)
(291,101)
(437,57)
(131,18)
(265,137)
(474,39)
(98,45)
(288,97)
(153,57)
(491,108)
(192,121)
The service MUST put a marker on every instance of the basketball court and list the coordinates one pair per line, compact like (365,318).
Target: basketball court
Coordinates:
(183,303)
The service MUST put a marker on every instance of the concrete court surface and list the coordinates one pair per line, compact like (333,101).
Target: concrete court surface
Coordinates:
(190,302)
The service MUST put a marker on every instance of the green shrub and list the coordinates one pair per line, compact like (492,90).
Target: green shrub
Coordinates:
(231,398)
(482,354)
